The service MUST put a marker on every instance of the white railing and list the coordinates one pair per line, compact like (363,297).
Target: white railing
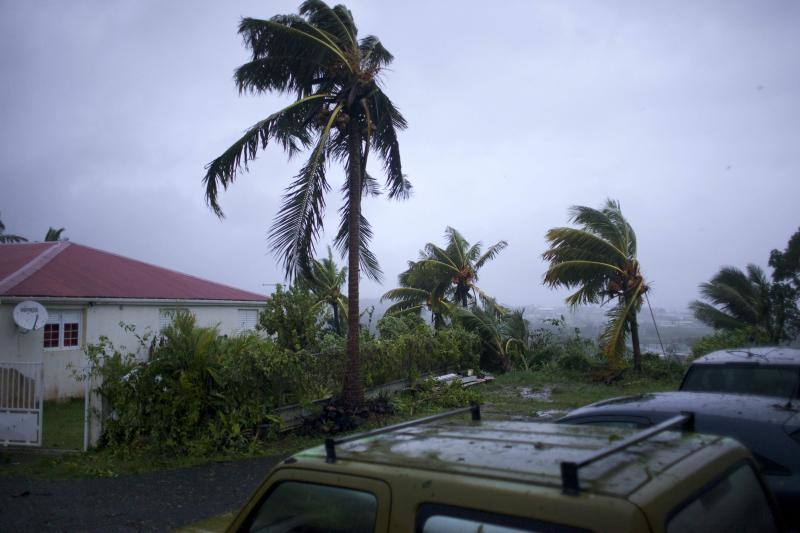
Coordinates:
(21,393)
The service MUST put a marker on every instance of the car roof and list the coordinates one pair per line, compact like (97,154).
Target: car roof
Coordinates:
(763,355)
(527,452)
(761,409)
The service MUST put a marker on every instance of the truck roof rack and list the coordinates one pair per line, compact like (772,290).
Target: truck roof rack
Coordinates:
(570,483)
(330,442)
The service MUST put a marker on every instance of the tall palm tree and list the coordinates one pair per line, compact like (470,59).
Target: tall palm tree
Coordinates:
(325,281)
(53,234)
(340,114)
(599,259)
(739,299)
(7,237)
(441,275)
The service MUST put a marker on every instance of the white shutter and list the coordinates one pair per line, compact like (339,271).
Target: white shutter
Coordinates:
(248,319)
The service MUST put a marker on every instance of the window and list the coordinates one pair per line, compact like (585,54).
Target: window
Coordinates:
(248,319)
(743,379)
(165,317)
(433,518)
(293,506)
(734,503)
(62,329)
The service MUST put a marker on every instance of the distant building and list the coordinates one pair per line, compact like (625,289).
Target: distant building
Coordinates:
(88,292)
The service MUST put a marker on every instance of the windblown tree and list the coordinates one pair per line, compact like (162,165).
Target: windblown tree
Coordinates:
(340,114)
(419,289)
(8,237)
(746,300)
(53,234)
(443,275)
(598,258)
(325,280)
(504,334)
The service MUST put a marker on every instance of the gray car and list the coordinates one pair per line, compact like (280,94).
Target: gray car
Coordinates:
(766,371)
(768,426)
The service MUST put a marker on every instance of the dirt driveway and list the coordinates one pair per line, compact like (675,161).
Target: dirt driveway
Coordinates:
(158,501)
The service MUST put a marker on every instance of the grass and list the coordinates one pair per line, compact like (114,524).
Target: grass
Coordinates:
(511,394)
(62,426)
(514,394)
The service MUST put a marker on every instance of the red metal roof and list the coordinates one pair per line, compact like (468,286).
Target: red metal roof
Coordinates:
(69,270)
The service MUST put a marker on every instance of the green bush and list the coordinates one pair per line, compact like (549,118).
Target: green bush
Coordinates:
(720,340)
(662,368)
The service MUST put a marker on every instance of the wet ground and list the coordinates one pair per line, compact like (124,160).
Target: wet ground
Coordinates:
(158,501)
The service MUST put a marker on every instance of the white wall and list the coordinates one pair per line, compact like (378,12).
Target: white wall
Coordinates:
(97,320)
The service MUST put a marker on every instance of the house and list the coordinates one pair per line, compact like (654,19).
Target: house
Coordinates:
(88,292)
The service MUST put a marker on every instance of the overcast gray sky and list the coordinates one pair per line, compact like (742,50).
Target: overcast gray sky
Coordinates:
(686,112)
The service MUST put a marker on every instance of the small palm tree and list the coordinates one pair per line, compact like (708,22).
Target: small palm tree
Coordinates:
(505,334)
(325,281)
(340,114)
(743,300)
(442,275)
(419,289)
(599,259)
(7,237)
(53,234)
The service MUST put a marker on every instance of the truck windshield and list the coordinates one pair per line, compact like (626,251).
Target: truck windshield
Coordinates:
(781,382)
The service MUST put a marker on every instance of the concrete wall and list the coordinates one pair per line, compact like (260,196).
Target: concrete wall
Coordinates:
(96,321)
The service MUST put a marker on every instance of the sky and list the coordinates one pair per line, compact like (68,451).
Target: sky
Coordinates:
(686,112)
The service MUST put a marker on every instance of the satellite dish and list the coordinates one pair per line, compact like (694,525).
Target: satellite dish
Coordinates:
(30,315)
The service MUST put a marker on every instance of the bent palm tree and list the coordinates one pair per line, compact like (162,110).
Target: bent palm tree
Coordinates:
(340,114)
(7,237)
(325,281)
(419,289)
(442,275)
(599,258)
(742,300)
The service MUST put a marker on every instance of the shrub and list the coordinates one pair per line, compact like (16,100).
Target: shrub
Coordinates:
(720,340)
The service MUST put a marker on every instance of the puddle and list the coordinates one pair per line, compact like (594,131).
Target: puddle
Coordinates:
(538,395)
(550,414)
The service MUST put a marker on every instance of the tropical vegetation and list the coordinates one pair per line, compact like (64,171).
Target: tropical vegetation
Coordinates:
(325,279)
(598,258)
(53,234)
(9,237)
(341,114)
(443,276)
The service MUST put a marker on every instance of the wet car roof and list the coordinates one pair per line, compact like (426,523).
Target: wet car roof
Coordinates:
(763,355)
(762,409)
(527,452)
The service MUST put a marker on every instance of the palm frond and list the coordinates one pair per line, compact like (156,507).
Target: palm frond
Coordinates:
(386,119)
(490,254)
(222,170)
(322,16)
(616,332)
(367,259)
(299,220)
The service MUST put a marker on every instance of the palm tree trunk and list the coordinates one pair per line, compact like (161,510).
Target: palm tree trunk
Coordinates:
(352,388)
(336,324)
(637,352)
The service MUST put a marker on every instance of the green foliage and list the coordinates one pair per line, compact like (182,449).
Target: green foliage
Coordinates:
(599,260)
(662,368)
(430,395)
(442,276)
(723,339)
(292,317)
(739,300)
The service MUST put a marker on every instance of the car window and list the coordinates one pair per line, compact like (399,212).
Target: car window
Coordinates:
(310,508)
(434,518)
(735,503)
(781,382)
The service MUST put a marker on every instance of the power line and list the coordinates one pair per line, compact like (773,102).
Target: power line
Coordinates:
(655,325)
